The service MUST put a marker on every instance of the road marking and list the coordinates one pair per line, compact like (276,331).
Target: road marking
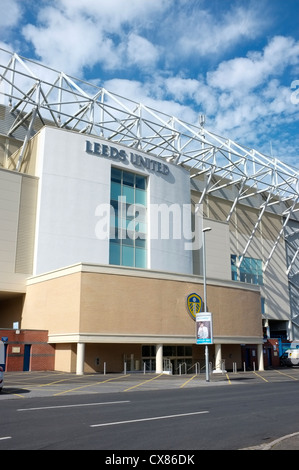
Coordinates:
(261,376)
(283,373)
(185,383)
(144,382)
(91,385)
(3,438)
(4,392)
(148,419)
(73,406)
(227,376)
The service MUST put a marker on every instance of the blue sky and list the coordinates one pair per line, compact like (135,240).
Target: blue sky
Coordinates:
(235,61)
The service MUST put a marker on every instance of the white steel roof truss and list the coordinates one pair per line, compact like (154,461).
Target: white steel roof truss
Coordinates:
(33,90)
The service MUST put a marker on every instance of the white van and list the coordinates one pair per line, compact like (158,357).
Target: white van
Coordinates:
(2,361)
(290,357)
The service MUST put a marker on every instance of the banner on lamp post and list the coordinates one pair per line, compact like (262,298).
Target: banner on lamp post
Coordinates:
(204,328)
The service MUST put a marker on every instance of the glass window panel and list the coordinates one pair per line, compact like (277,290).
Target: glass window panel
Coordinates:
(140,182)
(146,350)
(116,175)
(128,193)
(140,228)
(128,241)
(113,233)
(251,270)
(127,256)
(140,212)
(121,234)
(122,223)
(233,261)
(140,197)
(130,211)
(169,351)
(245,266)
(114,253)
(140,242)
(128,178)
(115,191)
(140,258)
(113,210)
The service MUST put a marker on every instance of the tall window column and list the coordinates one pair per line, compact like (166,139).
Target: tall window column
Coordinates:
(128,226)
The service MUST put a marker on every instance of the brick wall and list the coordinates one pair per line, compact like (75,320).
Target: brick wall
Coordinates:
(28,350)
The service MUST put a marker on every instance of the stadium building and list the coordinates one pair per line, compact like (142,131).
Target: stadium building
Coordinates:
(123,227)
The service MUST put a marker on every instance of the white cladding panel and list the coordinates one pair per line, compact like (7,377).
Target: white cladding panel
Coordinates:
(74,183)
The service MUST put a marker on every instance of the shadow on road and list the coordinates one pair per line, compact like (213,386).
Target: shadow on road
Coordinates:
(13,391)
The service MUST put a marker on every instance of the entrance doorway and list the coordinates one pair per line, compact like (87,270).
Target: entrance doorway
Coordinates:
(26,364)
(176,359)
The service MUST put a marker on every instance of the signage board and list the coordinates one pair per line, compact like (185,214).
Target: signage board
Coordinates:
(204,328)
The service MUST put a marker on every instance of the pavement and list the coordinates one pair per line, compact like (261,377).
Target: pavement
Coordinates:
(288,442)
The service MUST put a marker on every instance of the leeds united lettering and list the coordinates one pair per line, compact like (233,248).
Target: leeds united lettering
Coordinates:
(145,163)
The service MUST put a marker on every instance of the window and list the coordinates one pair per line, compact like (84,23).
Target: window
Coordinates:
(128,226)
(250,270)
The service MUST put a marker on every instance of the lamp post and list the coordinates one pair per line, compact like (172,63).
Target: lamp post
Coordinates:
(204,230)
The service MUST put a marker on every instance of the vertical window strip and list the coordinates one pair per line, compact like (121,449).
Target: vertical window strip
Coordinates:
(129,225)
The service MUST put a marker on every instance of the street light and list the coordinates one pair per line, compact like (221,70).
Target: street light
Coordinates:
(204,230)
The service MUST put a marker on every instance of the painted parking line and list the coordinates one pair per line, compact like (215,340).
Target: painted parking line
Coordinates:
(90,385)
(144,382)
(187,381)
(67,379)
(4,438)
(261,377)
(148,419)
(227,376)
(287,375)
(78,405)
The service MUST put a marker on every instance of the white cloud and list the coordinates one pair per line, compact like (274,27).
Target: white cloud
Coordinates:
(140,51)
(151,95)
(112,14)
(75,34)
(207,34)
(11,13)
(251,71)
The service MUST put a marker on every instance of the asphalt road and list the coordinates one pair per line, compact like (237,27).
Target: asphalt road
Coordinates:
(157,413)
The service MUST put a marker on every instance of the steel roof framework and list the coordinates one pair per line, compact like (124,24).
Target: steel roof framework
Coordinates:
(32,91)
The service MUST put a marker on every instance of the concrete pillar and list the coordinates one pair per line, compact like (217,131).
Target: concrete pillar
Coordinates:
(218,360)
(159,358)
(260,356)
(80,358)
